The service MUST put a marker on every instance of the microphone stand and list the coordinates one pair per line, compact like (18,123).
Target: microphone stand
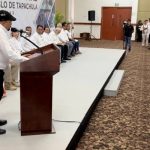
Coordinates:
(32,43)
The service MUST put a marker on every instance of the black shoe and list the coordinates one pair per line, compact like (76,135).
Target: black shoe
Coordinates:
(78,52)
(67,59)
(3,122)
(72,55)
(63,61)
(129,49)
(2,131)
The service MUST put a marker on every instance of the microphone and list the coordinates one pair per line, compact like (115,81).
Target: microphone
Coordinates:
(22,31)
(17,30)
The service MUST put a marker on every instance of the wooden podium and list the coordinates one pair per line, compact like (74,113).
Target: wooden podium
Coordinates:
(36,80)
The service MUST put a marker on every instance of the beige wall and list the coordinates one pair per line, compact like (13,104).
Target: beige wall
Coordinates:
(62,6)
(83,6)
(144,10)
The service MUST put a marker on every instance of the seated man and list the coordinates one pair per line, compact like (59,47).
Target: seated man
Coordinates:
(64,48)
(64,39)
(71,38)
(48,40)
(38,38)
(46,35)
(26,45)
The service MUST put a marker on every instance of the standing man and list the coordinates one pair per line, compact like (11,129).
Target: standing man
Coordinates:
(6,52)
(145,33)
(138,31)
(124,24)
(128,30)
(149,30)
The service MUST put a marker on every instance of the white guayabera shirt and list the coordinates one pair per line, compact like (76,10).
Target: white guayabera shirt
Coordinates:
(6,52)
(38,39)
(16,45)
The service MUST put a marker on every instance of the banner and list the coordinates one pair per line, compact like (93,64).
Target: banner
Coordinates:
(30,12)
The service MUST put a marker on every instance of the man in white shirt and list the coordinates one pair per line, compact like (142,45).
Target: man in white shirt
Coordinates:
(26,45)
(149,30)
(46,35)
(11,76)
(145,34)
(15,41)
(38,38)
(64,38)
(48,40)
(53,35)
(71,38)
(6,52)
(64,48)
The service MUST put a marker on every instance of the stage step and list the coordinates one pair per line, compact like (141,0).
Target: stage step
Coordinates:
(113,85)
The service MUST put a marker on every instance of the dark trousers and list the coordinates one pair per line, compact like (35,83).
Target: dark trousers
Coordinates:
(1,83)
(127,42)
(74,47)
(139,36)
(64,51)
(77,44)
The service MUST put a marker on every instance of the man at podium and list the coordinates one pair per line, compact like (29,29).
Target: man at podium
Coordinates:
(6,52)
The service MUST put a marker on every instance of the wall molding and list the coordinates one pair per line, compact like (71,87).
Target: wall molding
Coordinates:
(87,23)
(96,24)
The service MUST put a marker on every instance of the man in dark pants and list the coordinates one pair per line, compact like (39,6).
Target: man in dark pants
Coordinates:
(6,52)
(149,30)
(138,31)
(1,83)
(124,24)
(128,30)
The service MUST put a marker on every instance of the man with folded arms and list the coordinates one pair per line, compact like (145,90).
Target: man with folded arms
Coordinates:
(64,48)
(6,52)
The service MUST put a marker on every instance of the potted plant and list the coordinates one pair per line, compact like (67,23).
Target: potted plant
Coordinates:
(59,18)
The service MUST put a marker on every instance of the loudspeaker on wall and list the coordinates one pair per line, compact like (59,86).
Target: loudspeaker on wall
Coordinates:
(91,15)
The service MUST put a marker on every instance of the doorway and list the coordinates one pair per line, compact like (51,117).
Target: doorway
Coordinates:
(112,22)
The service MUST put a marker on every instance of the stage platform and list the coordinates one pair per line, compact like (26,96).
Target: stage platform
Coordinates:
(76,90)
